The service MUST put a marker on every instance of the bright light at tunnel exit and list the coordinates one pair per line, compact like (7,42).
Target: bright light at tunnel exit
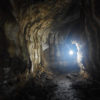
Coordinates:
(79,55)
(71,52)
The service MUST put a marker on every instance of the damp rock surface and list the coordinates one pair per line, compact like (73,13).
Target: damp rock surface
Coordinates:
(64,90)
(70,86)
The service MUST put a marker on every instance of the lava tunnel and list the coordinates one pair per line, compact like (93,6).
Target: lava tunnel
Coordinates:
(49,50)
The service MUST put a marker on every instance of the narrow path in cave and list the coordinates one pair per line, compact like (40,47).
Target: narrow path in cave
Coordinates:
(64,88)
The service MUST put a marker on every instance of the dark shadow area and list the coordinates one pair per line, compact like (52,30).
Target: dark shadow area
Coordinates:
(87,89)
(29,90)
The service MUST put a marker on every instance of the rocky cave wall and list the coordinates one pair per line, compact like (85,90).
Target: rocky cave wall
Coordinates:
(91,31)
(35,29)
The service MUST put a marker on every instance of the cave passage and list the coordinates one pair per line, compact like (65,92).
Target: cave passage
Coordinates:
(70,59)
(49,50)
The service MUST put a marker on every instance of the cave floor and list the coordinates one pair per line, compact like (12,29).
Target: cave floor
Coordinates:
(70,86)
(64,89)
(61,87)
(73,86)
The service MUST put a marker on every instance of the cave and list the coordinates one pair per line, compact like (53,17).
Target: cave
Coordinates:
(49,50)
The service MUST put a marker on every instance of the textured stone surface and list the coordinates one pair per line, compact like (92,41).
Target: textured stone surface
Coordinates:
(31,25)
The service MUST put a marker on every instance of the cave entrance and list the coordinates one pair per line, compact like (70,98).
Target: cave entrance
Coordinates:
(70,59)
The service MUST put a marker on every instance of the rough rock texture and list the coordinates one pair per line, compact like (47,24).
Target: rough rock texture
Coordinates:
(33,37)
(35,29)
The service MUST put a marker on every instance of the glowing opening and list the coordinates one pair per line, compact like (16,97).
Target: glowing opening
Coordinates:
(79,55)
(71,52)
